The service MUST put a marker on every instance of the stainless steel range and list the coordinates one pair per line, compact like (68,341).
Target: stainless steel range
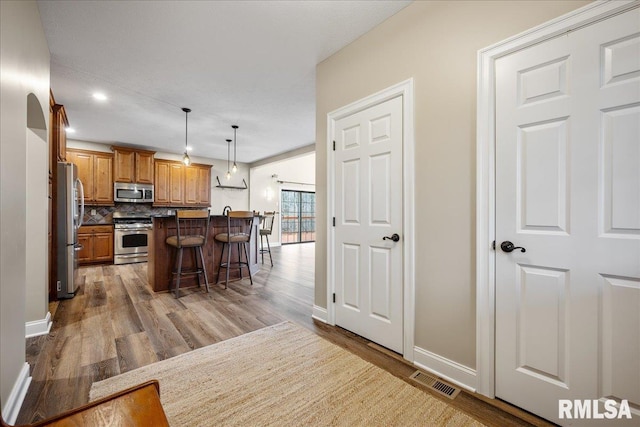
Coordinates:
(132,231)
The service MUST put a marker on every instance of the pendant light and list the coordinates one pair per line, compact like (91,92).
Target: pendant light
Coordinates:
(235,167)
(228,157)
(186,160)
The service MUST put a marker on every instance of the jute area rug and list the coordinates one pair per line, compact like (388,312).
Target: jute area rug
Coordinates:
(283,375)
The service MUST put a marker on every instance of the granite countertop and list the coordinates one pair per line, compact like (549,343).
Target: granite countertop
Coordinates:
(173,216)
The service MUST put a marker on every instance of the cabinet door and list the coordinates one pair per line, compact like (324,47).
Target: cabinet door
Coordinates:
(204,186)
(191,185)
(103,247)
(85,254)
(176,184)
(162,183)
(144,168)
(61,124)
(103,179)
(124,164)
(84,162)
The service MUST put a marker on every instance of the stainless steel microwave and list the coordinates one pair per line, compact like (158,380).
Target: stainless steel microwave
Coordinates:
(132,193)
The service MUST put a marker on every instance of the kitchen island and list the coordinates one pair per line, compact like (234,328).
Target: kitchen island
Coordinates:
(162,256)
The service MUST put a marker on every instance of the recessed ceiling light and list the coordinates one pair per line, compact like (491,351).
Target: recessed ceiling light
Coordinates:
(70,130)
(99,96)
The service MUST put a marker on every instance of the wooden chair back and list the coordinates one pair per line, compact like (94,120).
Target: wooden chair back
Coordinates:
(240,223)
(190,222)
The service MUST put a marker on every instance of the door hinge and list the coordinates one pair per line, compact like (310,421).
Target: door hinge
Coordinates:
(493,245)
(334,146)
(334,221)
(334,297)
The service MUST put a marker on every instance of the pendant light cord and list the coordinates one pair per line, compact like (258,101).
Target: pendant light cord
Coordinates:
(186,160)
(228,158)
(235,129)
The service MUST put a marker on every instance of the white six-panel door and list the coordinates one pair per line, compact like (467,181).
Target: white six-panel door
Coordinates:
(568,191)
(368,207)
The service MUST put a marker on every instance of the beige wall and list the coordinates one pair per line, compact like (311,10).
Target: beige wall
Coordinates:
(24,69)
(435,43)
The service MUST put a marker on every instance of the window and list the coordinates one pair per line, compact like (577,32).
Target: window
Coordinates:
(298,216)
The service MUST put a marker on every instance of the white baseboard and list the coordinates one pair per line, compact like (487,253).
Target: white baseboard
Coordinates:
(319,313)
(38,327)
(17,395)
(446,369)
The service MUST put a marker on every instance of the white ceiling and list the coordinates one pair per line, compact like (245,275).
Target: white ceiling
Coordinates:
(250,63)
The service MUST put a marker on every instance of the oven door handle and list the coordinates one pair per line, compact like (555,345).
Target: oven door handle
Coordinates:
(138,255)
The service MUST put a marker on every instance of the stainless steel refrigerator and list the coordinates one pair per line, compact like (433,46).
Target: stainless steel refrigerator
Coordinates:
(70,196)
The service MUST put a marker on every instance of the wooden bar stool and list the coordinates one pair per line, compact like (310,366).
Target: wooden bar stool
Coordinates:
(192,227)
(238,222)
(266,227)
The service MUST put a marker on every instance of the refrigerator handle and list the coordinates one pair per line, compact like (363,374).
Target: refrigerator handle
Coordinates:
(81,203)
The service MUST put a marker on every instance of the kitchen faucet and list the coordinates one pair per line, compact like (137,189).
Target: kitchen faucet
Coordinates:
(226,209)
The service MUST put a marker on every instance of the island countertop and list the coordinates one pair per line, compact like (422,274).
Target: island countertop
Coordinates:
(162,256)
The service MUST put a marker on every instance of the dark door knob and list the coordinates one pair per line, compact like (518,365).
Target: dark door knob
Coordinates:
(395,237)
(507,246)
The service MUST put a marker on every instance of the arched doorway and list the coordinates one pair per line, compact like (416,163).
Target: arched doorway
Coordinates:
(37,207)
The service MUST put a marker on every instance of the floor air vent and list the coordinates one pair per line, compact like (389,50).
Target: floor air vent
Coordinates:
(435,384)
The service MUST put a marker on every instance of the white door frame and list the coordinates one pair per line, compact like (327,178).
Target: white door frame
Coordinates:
(404,89)
(485,164)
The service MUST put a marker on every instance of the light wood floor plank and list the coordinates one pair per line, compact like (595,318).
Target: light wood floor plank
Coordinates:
(98,339)
(134,351)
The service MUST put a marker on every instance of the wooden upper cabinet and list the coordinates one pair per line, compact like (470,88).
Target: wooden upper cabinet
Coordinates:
(103,178)
(144,167)
(191,185)
(60,124)
(123,165)
(204,186)
(178,185)
(161,187)
(95,170)
(133,165)
(85,163)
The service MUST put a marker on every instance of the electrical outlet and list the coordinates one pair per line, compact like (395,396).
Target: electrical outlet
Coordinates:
(169,212)
(93,212)
(59,286)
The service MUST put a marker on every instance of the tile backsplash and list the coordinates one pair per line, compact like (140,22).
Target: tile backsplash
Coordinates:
(104,214)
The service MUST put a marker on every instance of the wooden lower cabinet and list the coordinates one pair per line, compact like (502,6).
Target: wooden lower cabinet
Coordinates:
(97,244)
